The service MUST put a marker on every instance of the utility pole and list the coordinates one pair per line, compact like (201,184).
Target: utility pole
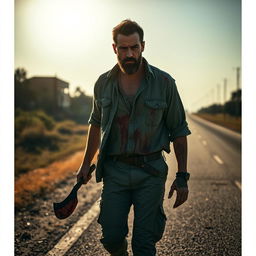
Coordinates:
(225,90)
(237,90)
(237,78)
(224,95)
(218,94)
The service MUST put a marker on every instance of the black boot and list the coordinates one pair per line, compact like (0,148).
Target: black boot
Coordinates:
(121,250)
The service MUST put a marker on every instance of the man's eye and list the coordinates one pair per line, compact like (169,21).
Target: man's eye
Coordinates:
(135,47)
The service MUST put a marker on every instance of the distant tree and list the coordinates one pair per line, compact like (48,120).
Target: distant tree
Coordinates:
(213,109)
(20,75)
(79,91)
(233,107)
(23,95)
(80,106)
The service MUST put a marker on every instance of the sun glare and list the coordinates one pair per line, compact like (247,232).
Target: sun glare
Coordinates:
(63,25)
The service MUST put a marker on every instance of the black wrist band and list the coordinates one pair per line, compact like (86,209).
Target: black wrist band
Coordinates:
(184,175)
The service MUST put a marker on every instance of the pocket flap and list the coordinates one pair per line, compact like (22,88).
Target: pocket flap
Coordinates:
(156,104)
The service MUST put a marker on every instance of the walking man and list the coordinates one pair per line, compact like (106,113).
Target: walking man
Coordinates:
(137,113)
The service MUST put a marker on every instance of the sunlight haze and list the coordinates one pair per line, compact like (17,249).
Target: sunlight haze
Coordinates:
(198,42)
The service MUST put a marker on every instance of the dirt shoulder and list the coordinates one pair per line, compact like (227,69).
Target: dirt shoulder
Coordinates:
(37,229)
(233,123)
(41,180)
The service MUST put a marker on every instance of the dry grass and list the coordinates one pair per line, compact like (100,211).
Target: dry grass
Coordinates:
(233,123)
(46,158)
(46,152)
(43,179)
(65,139)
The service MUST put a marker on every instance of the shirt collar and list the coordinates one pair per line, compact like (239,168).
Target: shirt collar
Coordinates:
(148,70)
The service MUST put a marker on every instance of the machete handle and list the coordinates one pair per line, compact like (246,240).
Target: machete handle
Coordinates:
(80,182)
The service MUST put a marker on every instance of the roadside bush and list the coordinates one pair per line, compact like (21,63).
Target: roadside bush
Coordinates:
(47,120)
(41,140)
(65,131)
(38,119)
(66,127)
(27,121)
(34,139)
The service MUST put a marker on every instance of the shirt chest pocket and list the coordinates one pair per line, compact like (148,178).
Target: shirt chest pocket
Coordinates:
(105,105)
(154,111)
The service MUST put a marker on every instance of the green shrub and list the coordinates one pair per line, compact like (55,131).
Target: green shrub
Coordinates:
(34,139)
(26,121)
(65,131)
(47,120)
(66,127)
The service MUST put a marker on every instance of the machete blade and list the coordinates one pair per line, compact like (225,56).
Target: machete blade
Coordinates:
(64,209)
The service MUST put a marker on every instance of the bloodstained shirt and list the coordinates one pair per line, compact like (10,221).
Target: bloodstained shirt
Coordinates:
(145,124)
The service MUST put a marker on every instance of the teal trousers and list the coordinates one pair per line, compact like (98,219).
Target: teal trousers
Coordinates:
(123,186)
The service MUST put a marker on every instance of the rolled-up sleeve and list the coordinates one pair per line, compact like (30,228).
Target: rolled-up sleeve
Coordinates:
(95,116)
(175,115)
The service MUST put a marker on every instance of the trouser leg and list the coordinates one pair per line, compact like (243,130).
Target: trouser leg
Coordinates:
(114,210)
(125,185)
(149,217)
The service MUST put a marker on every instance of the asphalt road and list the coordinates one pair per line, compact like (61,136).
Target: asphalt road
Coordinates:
(209,223)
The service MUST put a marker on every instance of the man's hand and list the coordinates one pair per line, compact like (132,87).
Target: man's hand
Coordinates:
(182,192)
(83,173)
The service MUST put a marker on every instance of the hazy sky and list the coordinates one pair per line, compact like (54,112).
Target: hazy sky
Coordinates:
(197,41)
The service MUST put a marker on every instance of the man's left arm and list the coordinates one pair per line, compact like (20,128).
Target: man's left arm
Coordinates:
(180,183)
(175,120)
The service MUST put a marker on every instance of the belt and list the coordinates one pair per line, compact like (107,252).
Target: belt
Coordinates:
(140,161)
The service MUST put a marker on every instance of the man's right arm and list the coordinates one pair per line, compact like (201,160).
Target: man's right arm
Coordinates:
(92,145)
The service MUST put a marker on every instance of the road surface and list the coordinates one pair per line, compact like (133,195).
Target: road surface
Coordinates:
(209,223)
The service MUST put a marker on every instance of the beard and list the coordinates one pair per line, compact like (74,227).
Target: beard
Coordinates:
(132,67)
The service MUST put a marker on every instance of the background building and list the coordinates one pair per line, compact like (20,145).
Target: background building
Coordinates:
(49,93)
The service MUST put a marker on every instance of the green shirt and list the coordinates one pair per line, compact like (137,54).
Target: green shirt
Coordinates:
(155,118)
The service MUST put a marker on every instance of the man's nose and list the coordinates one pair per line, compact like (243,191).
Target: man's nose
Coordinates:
(129,52)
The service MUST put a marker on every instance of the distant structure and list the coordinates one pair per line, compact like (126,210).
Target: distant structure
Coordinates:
(236,95)
(50,93)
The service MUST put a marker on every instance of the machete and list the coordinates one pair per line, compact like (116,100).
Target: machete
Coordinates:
(65,208)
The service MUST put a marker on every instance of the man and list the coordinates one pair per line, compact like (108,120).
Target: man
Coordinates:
(136,113)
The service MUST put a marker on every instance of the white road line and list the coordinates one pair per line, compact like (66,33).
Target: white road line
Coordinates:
(217,159)
(204,142)
(75,232)
(238,184)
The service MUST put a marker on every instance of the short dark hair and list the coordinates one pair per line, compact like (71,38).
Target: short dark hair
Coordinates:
(127,27)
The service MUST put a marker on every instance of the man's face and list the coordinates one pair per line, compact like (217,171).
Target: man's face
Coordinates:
(129,52)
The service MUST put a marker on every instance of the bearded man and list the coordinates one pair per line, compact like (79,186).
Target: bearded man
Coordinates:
(137,112)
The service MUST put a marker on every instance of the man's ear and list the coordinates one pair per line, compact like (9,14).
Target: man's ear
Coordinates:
(114,48)
(142,46)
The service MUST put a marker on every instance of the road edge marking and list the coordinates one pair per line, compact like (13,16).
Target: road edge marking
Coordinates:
(218,159)
(238,184)
(75,232)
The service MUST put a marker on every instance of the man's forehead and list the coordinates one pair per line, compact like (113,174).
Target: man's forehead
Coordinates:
(128,40)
